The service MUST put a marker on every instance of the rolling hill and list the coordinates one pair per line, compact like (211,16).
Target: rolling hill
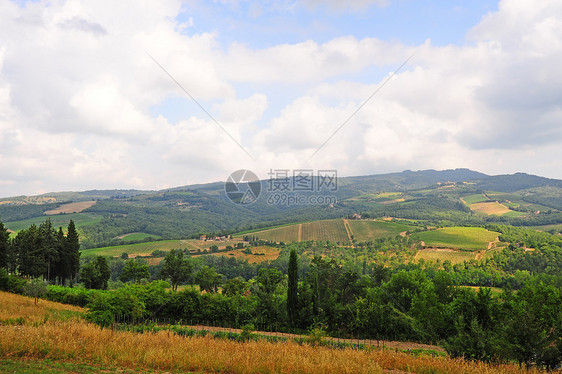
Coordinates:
(448,197)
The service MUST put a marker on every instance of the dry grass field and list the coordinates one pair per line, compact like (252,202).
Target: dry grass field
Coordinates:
(78,342)
(491,207)
(71,208)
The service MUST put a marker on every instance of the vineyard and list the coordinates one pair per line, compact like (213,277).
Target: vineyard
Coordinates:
(454,257)
(331,230)
(364,230)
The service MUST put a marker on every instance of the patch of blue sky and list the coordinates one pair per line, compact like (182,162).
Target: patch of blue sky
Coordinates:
(411,22)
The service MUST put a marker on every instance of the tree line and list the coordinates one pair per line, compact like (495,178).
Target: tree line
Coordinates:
(41,251)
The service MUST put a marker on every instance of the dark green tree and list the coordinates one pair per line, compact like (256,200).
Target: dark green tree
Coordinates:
(208,279)
(177,268)
(4,246)
(27,246)
(49,248)
(96,273)
(234,286)
(292,287)
(71,252)
(134,270)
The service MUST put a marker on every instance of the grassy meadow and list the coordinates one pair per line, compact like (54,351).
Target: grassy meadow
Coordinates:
(468,238)
(80,219)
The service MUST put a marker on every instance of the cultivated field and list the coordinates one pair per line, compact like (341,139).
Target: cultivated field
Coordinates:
(330,230)
(455,257)
(71,208)
(285,234)
(490,207)
(468,238)
(476,198)
(76,343)
(366,230)
(259,254)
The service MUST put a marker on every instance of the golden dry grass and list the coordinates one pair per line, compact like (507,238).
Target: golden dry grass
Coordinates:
(15,306)
(71,208)
(81,342)
(164,351)
(490,208)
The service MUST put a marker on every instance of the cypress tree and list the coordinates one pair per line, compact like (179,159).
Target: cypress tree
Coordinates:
(72,250)
(4,245)
(292,290)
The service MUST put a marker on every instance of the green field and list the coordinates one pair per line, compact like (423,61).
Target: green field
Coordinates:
(330,230)
(80,219)
(556,228)
(364,230)
(469,238)
(138,249)
(476,198)
(453,257)
(137,236)
(515,213)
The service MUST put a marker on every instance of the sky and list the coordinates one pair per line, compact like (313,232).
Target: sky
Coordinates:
(157,94)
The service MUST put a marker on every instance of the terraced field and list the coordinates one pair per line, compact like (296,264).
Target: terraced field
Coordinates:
(366,230)
(467,238)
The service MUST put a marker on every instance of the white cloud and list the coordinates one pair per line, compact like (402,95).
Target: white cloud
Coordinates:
(78,92)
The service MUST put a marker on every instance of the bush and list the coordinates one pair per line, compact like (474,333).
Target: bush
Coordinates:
(11,283)
(73,296)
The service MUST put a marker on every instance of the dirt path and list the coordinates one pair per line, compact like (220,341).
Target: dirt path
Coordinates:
(348,229)
(122,236)
(373,342)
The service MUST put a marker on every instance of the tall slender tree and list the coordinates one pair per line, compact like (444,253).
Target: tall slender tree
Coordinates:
(4,246)
(292,289)
(48,246)
(30,259)
(71,252)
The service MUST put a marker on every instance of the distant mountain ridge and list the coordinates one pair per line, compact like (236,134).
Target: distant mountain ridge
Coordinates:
(406,179)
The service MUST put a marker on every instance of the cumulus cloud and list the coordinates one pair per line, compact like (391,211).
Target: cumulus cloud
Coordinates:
(78,93)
